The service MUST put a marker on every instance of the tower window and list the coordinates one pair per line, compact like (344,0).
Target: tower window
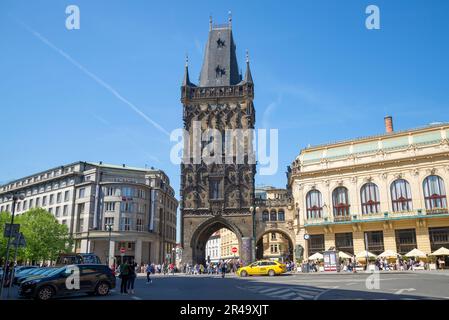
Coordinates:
(215,190)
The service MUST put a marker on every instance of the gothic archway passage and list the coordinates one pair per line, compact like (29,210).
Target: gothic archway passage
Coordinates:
(275,244)
(196,252)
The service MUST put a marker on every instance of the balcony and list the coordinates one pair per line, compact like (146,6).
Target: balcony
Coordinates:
(377,216)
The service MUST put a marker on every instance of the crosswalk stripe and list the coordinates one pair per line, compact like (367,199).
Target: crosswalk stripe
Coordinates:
(311,290)
(278,292)
(268,290)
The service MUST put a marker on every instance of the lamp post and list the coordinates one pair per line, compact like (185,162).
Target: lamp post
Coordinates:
(15,197)
(109,227)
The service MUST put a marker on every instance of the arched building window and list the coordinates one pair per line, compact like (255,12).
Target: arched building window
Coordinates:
(314,204)
(273,215)
(340,201)
(281,215)
(265,215)
(434,193)
(401,195)
(369,193)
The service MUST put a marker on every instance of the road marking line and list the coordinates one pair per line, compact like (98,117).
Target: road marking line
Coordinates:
(288,295)
(136,298)
(400,291)
(278,292)
(264,291)
(318,296)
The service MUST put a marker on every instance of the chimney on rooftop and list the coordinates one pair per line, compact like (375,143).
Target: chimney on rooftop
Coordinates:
(388,124)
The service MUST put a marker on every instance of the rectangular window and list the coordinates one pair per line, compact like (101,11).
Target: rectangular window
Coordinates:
(215,189)
(439,237)
(139,224)
(81,208)
(344,242)
(66,196)
(375,241)
(109,191)
(38,202)
(31,203)
(80,226)
(24,207)
(44,201)
(316,243)
(125,224)
(126,206)
(110,206)
(81,193)
(64,222)
(52,199)
(273,236)
(57,213)
(58,197)
(18,206)
(405,240)
(50,210)
(108,221)
(65,211)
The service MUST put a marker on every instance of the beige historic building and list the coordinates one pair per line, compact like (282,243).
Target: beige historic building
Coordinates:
(380,192)
(275,224)
(228,241)
(106,208)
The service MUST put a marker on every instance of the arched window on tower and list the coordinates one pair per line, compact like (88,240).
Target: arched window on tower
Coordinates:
(434,193)
(314,204)
(401,195)
(369,193)
(265,215)
(273,215)
(281,215)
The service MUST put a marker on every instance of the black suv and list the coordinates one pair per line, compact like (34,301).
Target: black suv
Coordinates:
(70,280)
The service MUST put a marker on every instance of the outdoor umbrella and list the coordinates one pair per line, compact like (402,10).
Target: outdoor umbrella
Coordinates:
(388,254)
(343,255)
(364,254)
(316,256)
(440,252)
(416,253)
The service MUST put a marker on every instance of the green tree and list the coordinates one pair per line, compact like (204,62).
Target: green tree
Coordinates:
(5,217)
(45,237)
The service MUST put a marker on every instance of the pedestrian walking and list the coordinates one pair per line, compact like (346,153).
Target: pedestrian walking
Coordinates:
(124,276)
(148,271)
(131,277)
(223,269)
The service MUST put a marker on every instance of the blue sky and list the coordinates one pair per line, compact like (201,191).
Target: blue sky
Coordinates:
(319,75)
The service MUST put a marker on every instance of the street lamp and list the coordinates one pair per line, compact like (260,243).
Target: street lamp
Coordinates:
(109,228)
(253,209)
(15,197)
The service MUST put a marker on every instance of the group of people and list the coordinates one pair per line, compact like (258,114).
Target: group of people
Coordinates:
(127,273)
(222,267)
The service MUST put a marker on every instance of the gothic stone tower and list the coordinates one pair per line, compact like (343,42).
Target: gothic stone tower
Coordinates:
(217,195)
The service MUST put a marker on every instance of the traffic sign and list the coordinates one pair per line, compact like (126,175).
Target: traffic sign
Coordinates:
(14,232)
(234,249)
(122,250)
(306,237)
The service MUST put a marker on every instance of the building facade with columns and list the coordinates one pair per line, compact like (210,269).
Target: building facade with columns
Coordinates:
(108,209)
(376,193)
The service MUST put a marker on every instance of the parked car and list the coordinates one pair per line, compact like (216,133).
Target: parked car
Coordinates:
(77,258)
(263,267)
(41,273)
(27,273)
(94,279)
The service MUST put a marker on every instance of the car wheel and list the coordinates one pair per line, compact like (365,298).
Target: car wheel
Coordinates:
(271,273)
(102,289)
(45,293)
(243,273)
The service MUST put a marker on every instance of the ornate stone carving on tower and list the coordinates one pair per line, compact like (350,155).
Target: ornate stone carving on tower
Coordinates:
(217,195)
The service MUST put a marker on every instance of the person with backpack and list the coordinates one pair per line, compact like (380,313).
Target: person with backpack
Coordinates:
(124,276)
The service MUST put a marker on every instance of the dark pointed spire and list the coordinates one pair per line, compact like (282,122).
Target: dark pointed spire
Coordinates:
(186,80)
(220,62)
(248,77)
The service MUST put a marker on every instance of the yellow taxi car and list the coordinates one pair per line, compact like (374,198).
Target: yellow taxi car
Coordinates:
(262,267)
